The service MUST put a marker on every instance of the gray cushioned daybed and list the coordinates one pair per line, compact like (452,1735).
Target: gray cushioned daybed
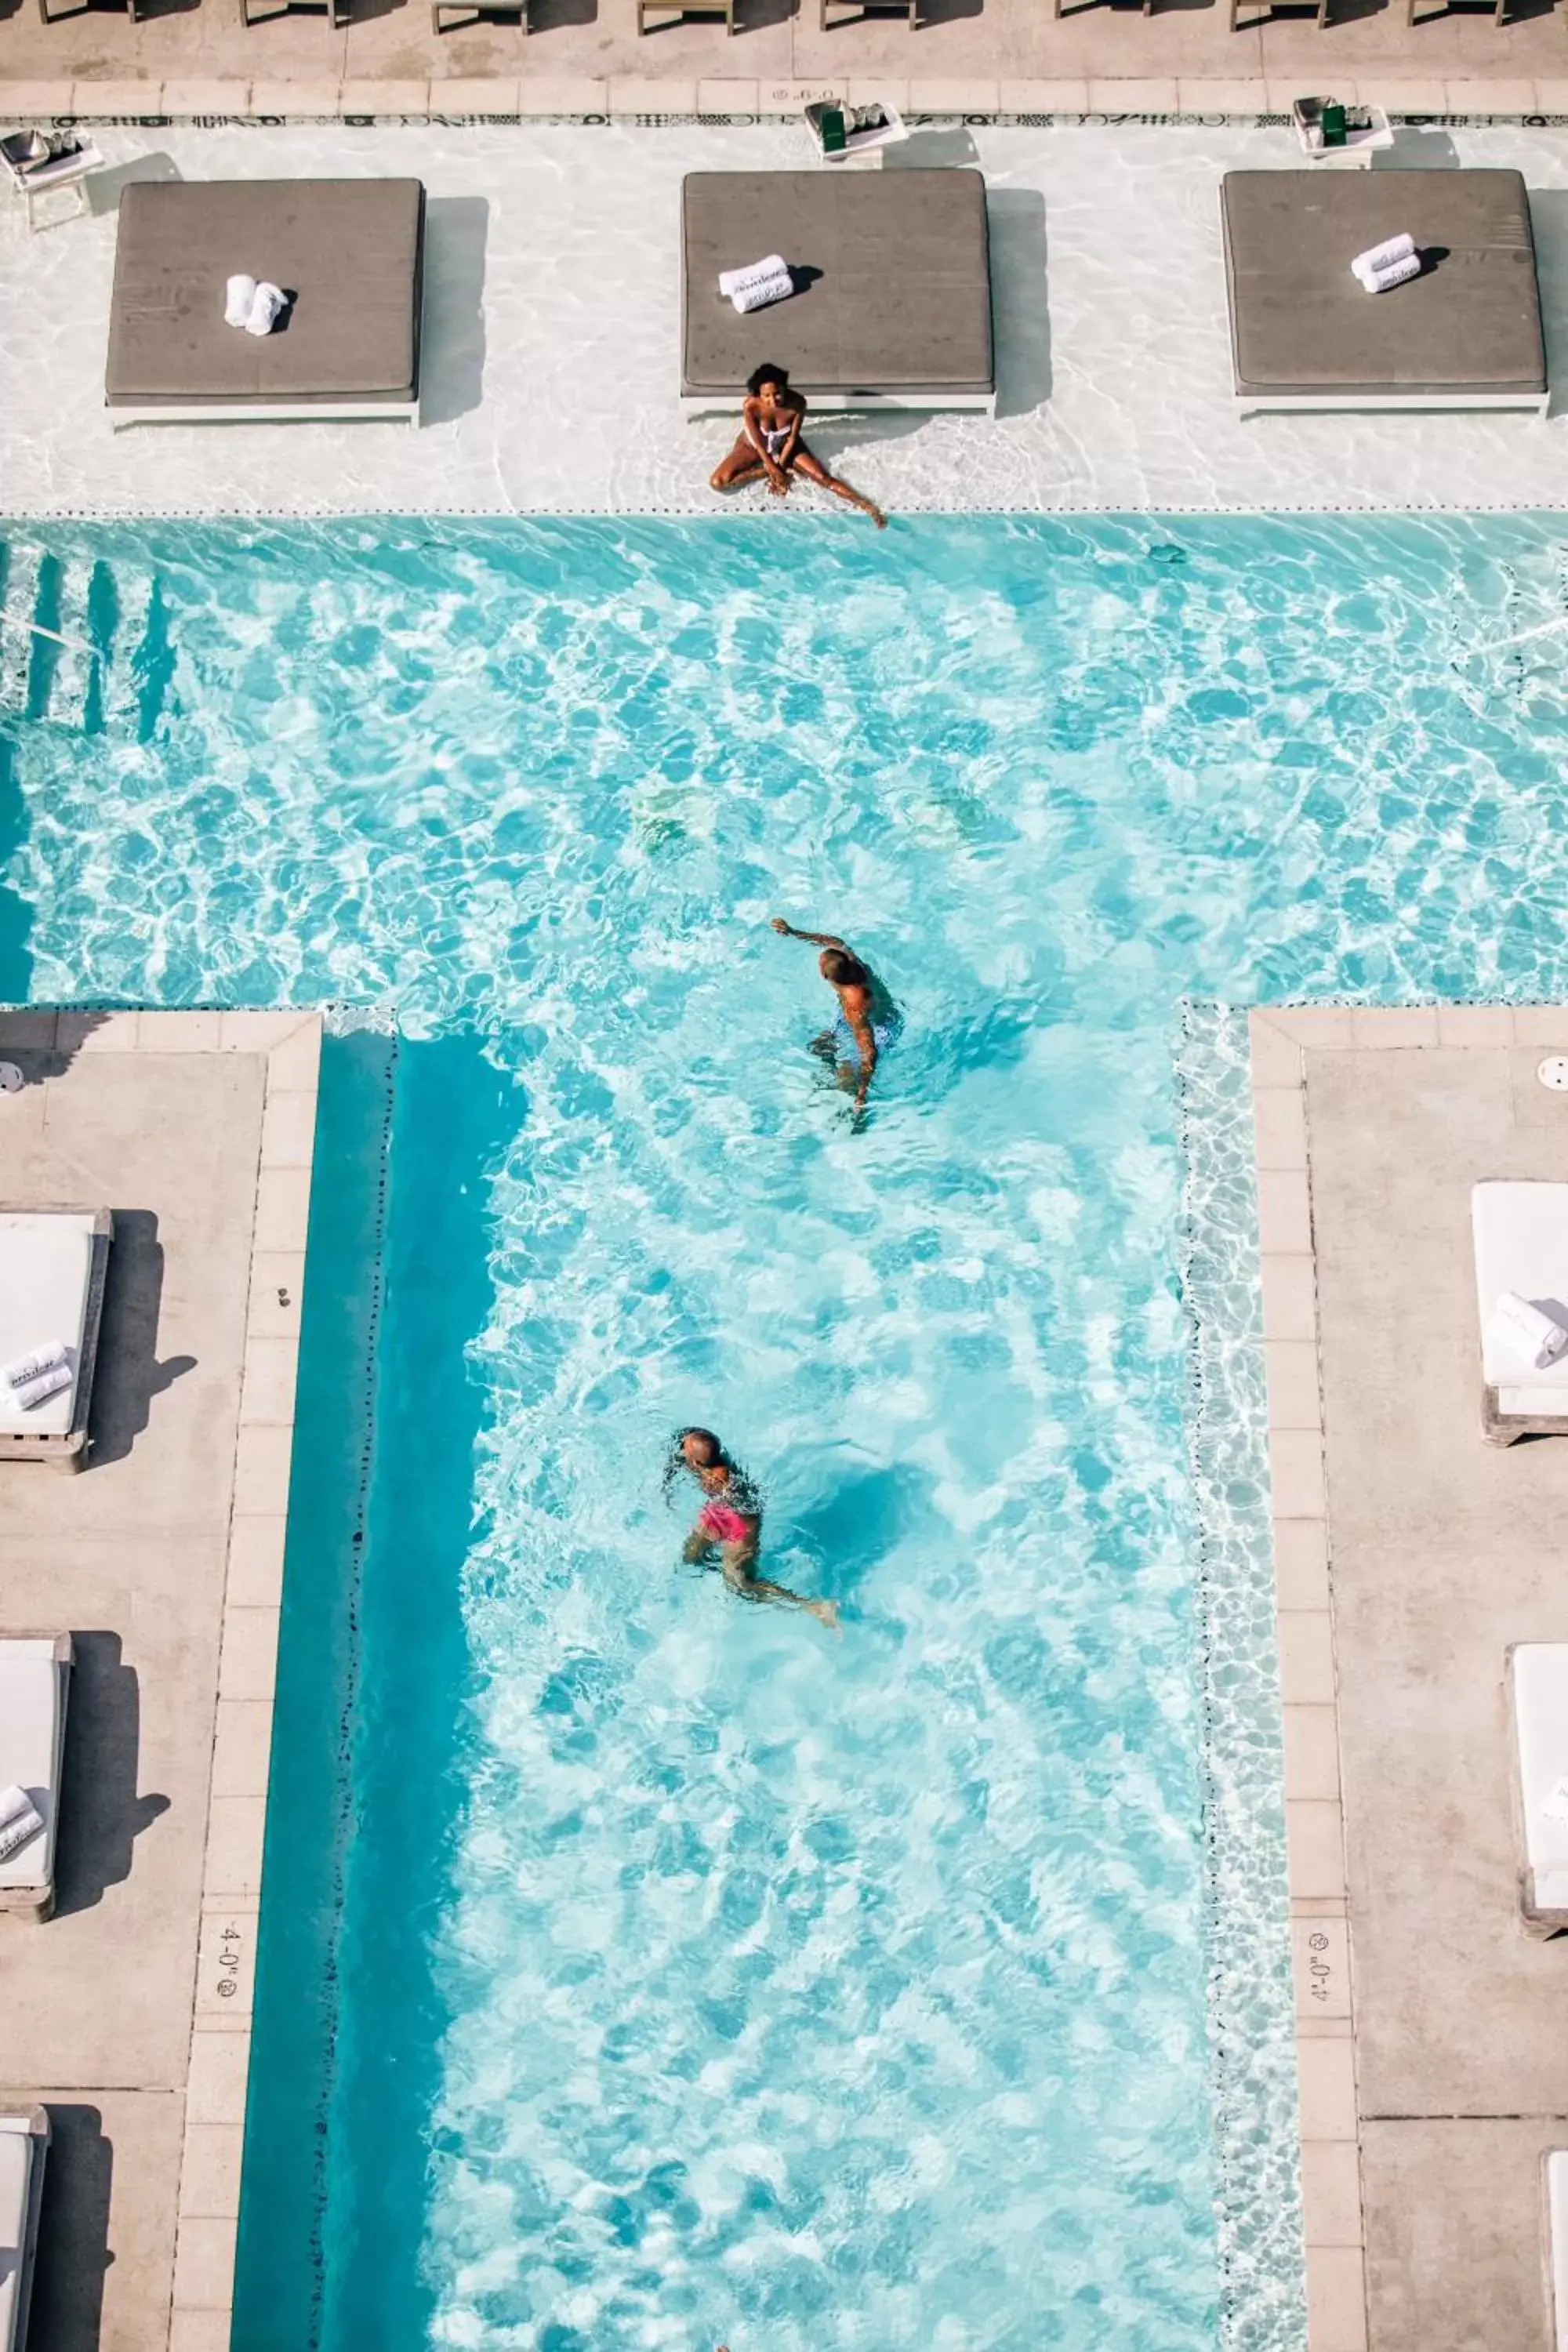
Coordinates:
(350,251)
(1465,334)
(893,269)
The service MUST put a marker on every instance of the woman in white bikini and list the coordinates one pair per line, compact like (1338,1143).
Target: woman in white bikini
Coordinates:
(770,445)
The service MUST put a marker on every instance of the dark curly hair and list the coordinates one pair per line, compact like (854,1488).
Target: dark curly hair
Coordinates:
(675,1461)
(766,373)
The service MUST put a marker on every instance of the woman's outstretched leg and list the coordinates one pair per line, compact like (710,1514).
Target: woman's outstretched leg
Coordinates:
(815,471)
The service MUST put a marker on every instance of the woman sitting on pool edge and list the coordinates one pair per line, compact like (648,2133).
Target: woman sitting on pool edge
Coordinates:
(770,445)
(731,1522)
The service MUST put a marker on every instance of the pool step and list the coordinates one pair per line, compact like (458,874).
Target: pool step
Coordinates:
(24,567)
(75,640)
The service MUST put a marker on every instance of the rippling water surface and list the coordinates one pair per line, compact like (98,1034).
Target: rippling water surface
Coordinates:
(780,1990)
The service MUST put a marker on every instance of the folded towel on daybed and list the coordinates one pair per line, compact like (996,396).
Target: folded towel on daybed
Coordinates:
(264,309)
(238,295)
(1536,1338)
(730,281)
(1384,255)
(763,290)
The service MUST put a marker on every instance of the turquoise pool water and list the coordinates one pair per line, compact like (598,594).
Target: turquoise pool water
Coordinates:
(655,1971)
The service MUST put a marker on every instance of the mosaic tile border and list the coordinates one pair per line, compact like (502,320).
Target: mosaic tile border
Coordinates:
(1258,2197)
(1451,104)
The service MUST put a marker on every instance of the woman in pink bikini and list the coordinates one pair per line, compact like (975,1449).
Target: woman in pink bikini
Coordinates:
(730,1522)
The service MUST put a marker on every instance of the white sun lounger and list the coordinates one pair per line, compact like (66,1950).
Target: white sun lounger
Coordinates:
(1538,1697)
(1554,2201)
(53,1265)
(24,2143)
(35,1684)
(1521,1245)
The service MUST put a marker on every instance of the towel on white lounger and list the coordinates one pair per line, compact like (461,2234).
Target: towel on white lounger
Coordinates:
(765,290)
(264,309)
(28,1393)
(238,297)
(15,1802)
(1384,255)
(1536,1337)
(42,1359)
(772,265)
(1378,281)
(20,1820)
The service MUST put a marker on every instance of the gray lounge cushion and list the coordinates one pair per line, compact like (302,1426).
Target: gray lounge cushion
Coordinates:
(350,250)
(1300,323)
(902,300)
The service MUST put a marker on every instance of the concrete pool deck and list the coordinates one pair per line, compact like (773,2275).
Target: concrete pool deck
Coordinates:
(552,284)
(129,2010)
(1409,1555)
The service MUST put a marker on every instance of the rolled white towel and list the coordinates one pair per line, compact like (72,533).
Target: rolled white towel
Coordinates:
(1378,281)
(13,1802)
(766,290)
(772,265)
(1385,255)
(28,1393)
(22,1826)
(42,1359)
(238,297)
(1531,1330)
(266,302)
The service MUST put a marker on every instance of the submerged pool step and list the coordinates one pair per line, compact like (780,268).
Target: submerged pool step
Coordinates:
(19,611)
(125,673)
(75,657)
(74,639)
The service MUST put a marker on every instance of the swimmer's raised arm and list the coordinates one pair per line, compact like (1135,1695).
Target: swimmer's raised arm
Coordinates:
(814,938)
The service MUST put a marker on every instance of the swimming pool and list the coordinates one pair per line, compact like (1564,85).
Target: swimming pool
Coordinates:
(692,1976)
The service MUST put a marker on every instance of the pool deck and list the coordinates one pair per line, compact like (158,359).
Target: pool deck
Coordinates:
(131,2009)
(394,44)
(1409,1555)
(553,281)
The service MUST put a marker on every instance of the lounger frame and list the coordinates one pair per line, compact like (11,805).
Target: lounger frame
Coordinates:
(339,13)
(1507,1428)
(715,403)
(298,412)
(69,1449)
(1553,2260)
(39,1898)
(856,12)
(1539,1921)
(37,2120)
(1298,403)
(676,11)
(447,14)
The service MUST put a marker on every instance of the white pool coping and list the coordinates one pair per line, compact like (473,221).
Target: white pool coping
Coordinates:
(551,323)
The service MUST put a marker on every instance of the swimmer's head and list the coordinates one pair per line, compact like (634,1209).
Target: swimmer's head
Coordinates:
(692,1449)
(767,374)
(844,969)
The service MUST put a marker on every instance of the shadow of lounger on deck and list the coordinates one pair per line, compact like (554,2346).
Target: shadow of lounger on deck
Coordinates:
(101,1816)
(128,1372)
(73,2233)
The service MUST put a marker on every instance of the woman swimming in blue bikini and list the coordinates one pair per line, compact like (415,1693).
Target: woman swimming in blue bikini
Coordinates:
(867,1018)
(770,445)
